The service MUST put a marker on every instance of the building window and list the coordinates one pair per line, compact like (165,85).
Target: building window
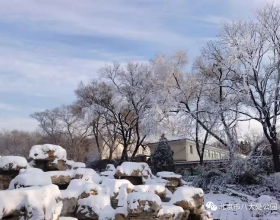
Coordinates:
(212,154)
(191,149)
(206,153)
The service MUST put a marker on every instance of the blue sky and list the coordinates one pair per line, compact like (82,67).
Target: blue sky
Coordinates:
(48,46)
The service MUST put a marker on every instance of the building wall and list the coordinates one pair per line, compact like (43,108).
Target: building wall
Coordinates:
(179,148)
(185,150)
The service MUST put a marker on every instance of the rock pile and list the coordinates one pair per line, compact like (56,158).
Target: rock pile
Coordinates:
(57,187)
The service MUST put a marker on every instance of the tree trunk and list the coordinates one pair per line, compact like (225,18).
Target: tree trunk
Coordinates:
(124,154)
(201,160)
(275,156)
(110,154)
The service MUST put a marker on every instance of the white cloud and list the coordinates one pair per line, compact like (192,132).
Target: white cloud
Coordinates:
(27,124)
(5,106)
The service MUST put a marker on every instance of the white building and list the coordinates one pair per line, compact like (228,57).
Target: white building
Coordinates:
(185,150)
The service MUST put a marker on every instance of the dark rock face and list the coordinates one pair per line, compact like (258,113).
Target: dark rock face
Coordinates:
(85,212)
(6,177)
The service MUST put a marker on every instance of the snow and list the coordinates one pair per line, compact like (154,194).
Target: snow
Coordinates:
(112,186)
(110,167)
(176,138)
(109,174)
(32,179)
(100,204)
(156,181)
(61,173)
(150,188)
(122,197)
(121,210)
(78,165)
(133,198)
(129,168)
(31,170)
(185,194)
(67,218)
(165,174)
(15,161)
(170,209)
(40,152)
(70,162)
(42,202)
(77,186)
(87,174)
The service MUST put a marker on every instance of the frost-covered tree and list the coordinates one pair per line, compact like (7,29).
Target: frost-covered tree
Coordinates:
(162,158)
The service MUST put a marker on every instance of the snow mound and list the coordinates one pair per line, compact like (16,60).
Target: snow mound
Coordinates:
(31,179)
(134,198)
(61,173)
(77,165)
(112,186)
(166,174)
(87,174)
(108,174)
(110,167)
(172,210)
(31,170)
(12,163)
(67,218)
(150,188)
(133,169)
(77,187)
(48,152)
(189,198)
(99,204)
(38,202)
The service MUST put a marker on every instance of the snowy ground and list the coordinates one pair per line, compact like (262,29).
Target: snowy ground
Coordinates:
(226,207)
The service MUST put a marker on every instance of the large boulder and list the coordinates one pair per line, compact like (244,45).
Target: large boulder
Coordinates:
(172,178)
(9,169)
(133,169)
(95,207)
(31,203)
(190,199)
(171,212)
(12,163)
(159,190)
(77,189)
(61,178)
(87,174)
(28,179)
(48,152)
(113,186)
(143,204)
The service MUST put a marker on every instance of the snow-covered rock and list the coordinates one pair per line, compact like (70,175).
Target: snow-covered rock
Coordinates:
(48,152)
(95,207)
(87,174)
(171,212)
(112,186)
(141,202)
(134,169)
(61,177)
(28,179)
(8,163)
(159,190)
(77,165)
(67,218)
(172,178)
(83,188)
(189,198)
(32,202)
(108,174)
